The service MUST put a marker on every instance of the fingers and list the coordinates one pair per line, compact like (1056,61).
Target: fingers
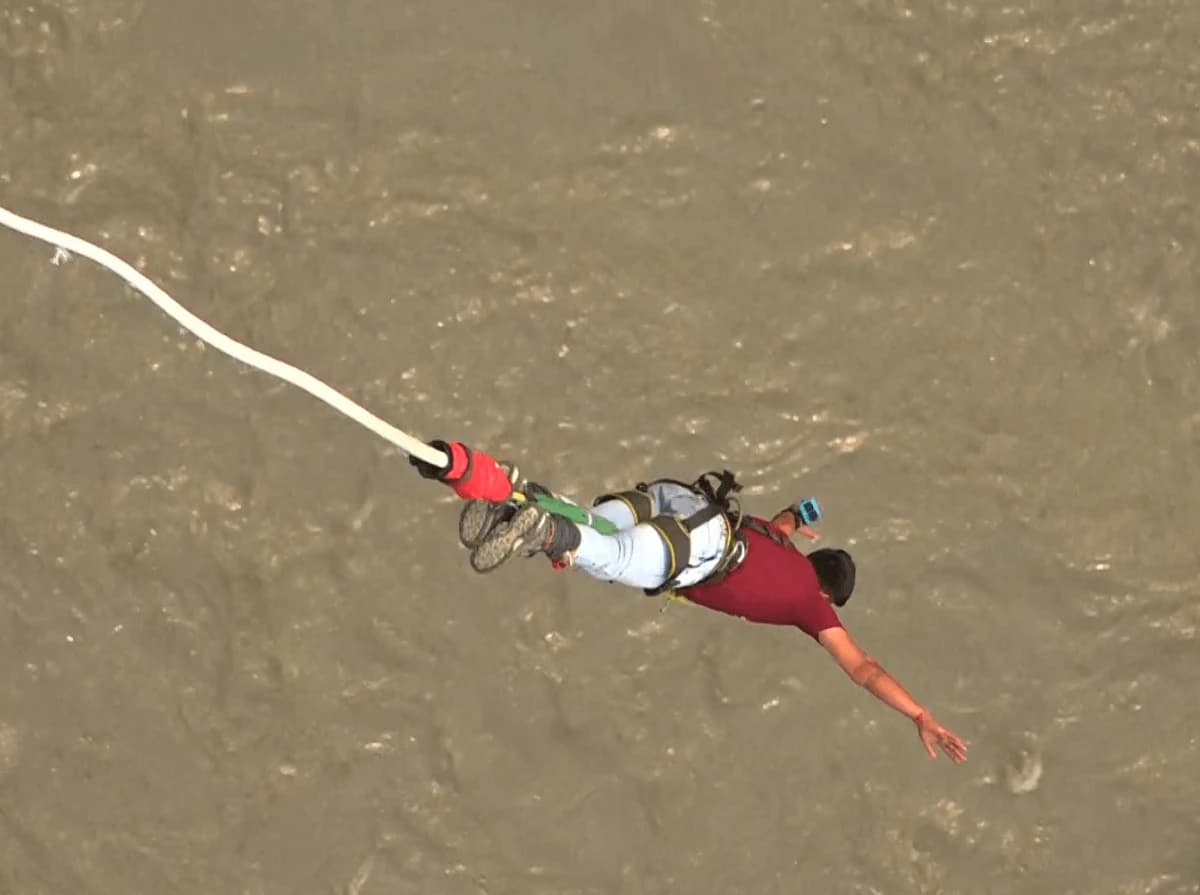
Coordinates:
(940,738)
(954,748)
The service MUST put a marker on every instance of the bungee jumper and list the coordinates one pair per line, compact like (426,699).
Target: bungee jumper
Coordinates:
(690,541)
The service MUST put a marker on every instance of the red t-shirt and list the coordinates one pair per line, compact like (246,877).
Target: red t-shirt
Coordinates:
(775,585)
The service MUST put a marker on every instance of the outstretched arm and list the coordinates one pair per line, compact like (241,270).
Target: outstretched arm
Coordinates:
(870,675)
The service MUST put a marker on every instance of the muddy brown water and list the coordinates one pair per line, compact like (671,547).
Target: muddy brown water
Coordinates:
(936,264)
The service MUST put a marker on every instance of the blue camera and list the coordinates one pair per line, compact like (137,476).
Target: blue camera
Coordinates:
(808,511)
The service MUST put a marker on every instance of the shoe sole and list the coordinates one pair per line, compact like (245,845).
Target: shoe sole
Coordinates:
(478,519)
(505,539)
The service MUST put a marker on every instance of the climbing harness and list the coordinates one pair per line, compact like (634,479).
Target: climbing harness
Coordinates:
(718,490)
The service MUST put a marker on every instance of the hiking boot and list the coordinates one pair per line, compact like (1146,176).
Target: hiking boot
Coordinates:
(530,531)
(525,532)
(479,518)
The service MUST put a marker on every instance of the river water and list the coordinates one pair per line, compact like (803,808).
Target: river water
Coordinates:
(936,264)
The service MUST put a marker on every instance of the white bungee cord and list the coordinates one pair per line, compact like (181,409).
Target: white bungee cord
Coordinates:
(65,244)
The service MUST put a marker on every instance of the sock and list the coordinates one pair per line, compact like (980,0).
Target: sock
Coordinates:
(562,539)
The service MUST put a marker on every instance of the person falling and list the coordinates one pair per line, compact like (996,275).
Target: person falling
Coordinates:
(691,541)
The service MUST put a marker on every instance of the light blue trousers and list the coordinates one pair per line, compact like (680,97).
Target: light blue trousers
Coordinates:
(637,555)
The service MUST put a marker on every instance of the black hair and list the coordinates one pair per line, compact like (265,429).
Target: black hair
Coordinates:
(835,571)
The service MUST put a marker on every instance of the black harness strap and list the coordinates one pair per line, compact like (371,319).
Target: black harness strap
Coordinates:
(727,484)
(638,501)
(678,540)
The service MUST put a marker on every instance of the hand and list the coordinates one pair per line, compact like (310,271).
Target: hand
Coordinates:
(798,516)
(933,734)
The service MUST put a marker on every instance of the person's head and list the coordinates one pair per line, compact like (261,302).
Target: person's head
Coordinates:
(835,571)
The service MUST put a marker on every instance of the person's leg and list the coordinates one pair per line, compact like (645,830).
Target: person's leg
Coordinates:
(707,548)
(627,557)
(617,512)
(636,557)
